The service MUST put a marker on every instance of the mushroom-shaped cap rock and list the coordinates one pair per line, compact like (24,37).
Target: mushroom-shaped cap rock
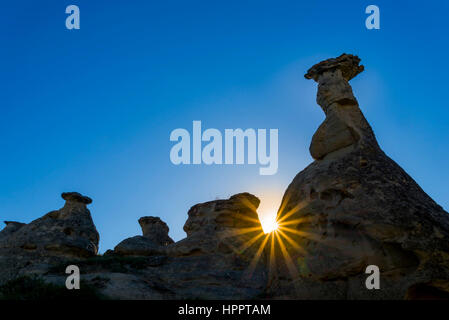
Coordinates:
(347,63)
(76,197)
(143,221)
(155,229)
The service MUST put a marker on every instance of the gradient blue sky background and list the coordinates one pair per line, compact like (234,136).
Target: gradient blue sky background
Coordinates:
(91,110)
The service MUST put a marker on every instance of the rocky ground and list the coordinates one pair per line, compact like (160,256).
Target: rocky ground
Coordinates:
(352,207)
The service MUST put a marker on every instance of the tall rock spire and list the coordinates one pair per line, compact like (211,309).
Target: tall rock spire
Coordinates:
(354,207)
(344,126)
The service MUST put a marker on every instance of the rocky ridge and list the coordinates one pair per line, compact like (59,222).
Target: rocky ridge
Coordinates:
(214,261)
(352,207)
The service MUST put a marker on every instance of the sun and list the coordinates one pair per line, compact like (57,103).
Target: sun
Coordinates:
(278,239)
(269,223)
(267,212)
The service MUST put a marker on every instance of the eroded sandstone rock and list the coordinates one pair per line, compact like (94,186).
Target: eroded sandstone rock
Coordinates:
(153,242)
(345,125)
(69,231)
(221,257)
(62,234)
(138,246)
(11,227)
(212,227)
(156,230)
(353,207)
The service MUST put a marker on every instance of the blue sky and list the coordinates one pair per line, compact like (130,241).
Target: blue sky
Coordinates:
(91,110)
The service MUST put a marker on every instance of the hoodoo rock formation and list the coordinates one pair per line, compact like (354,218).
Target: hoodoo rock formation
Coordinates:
(154,240)
(156,230)
(351,208)
(354,207)
(215,261)
(59,235)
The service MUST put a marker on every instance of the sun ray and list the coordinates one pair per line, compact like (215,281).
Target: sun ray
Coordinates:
(241,231)
(288,260)
(334,243)
(248,203)
(283,204)
(232,233)
(291,241)
(303,234)
(250,242)
(292,211)
(272,264)
(295,221)
(257,256)
(244,217)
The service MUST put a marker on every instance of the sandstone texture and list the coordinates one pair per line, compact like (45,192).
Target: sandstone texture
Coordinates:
(354,207)
(154,240)
(215,261)
(62,234)
(351,208)
(156,230)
